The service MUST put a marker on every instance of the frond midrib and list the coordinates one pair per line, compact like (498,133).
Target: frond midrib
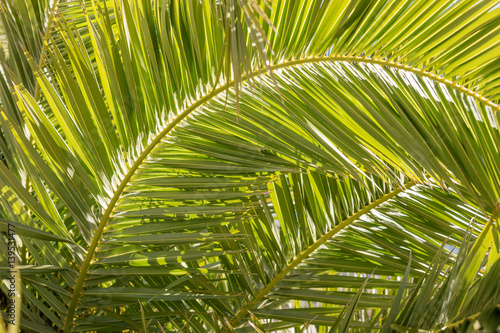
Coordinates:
(183,115)
(470,318)
(320,241)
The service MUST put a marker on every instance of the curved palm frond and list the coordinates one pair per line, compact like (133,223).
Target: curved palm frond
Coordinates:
(245,166)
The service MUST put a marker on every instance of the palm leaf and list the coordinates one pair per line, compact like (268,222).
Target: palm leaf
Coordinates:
(244,165)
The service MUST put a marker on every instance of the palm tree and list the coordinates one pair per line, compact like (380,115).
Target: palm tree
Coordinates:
(251,166)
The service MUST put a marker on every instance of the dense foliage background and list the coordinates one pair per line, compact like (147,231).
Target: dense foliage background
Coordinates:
(250,166)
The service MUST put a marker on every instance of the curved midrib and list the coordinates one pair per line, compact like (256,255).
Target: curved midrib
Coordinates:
(320,241)
(470,318)
(105,217)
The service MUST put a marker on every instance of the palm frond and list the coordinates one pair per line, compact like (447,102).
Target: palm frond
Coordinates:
(246,165)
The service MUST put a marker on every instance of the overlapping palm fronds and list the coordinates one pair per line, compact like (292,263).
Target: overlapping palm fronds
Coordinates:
(252,166)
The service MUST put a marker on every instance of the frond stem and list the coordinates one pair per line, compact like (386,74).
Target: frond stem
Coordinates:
(460,322)
(183,115)
(304,254)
